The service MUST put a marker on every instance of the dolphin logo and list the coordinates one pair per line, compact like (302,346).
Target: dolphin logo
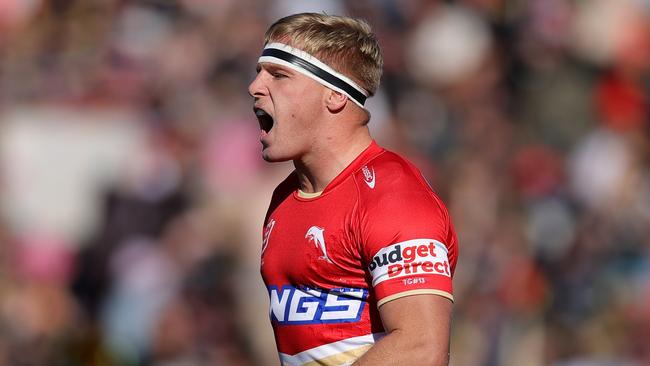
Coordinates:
(315,234)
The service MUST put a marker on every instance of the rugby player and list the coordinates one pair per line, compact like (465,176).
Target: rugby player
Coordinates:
(358,252)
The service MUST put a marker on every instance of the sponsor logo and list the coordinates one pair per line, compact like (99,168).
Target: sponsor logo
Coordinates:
(412,257)
(369,177)
(316,234)
(292,306)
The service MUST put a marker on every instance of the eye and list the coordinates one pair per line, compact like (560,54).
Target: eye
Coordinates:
(278,75)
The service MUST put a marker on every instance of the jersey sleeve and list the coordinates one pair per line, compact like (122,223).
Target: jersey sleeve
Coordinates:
(407,240)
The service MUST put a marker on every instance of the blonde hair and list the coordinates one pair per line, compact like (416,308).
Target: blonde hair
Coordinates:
(345,44)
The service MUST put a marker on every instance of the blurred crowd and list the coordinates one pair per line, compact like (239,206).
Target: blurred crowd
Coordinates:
(132,191)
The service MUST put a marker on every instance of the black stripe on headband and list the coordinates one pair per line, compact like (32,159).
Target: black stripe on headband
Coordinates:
(317,71)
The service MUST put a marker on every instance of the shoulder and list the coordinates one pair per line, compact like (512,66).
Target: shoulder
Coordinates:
(390,177)
(395,201)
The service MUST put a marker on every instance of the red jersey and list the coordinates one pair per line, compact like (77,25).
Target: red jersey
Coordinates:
(376,233)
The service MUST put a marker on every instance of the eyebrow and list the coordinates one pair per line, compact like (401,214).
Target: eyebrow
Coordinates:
(274,67)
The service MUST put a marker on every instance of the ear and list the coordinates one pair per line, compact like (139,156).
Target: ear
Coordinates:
(335,101)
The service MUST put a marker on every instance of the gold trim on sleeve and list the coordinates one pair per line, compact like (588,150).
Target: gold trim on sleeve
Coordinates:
(444,294)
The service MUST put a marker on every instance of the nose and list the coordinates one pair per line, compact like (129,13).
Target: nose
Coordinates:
(257,88)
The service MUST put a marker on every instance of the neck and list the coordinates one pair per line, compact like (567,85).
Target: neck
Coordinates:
(328,159)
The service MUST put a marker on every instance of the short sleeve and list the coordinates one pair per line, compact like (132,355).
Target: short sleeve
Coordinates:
(407,240)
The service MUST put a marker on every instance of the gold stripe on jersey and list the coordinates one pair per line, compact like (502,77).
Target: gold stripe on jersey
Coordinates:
(444,294)
(343,352)
(342,358)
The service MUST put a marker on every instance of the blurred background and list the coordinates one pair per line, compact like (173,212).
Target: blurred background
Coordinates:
(132,191)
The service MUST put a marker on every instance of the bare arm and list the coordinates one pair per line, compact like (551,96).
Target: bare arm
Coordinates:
(417,332)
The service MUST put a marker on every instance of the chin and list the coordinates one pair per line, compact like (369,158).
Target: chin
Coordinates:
(268,159)
(273,158)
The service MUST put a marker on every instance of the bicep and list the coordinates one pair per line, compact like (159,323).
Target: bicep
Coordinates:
(426,318)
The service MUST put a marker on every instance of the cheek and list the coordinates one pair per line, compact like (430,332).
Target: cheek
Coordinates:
(300,106)
(309,107)
(308,95)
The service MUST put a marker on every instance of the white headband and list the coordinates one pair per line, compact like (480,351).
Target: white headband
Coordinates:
(306,64)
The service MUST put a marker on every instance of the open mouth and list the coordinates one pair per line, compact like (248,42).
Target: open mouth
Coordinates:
(265,119)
